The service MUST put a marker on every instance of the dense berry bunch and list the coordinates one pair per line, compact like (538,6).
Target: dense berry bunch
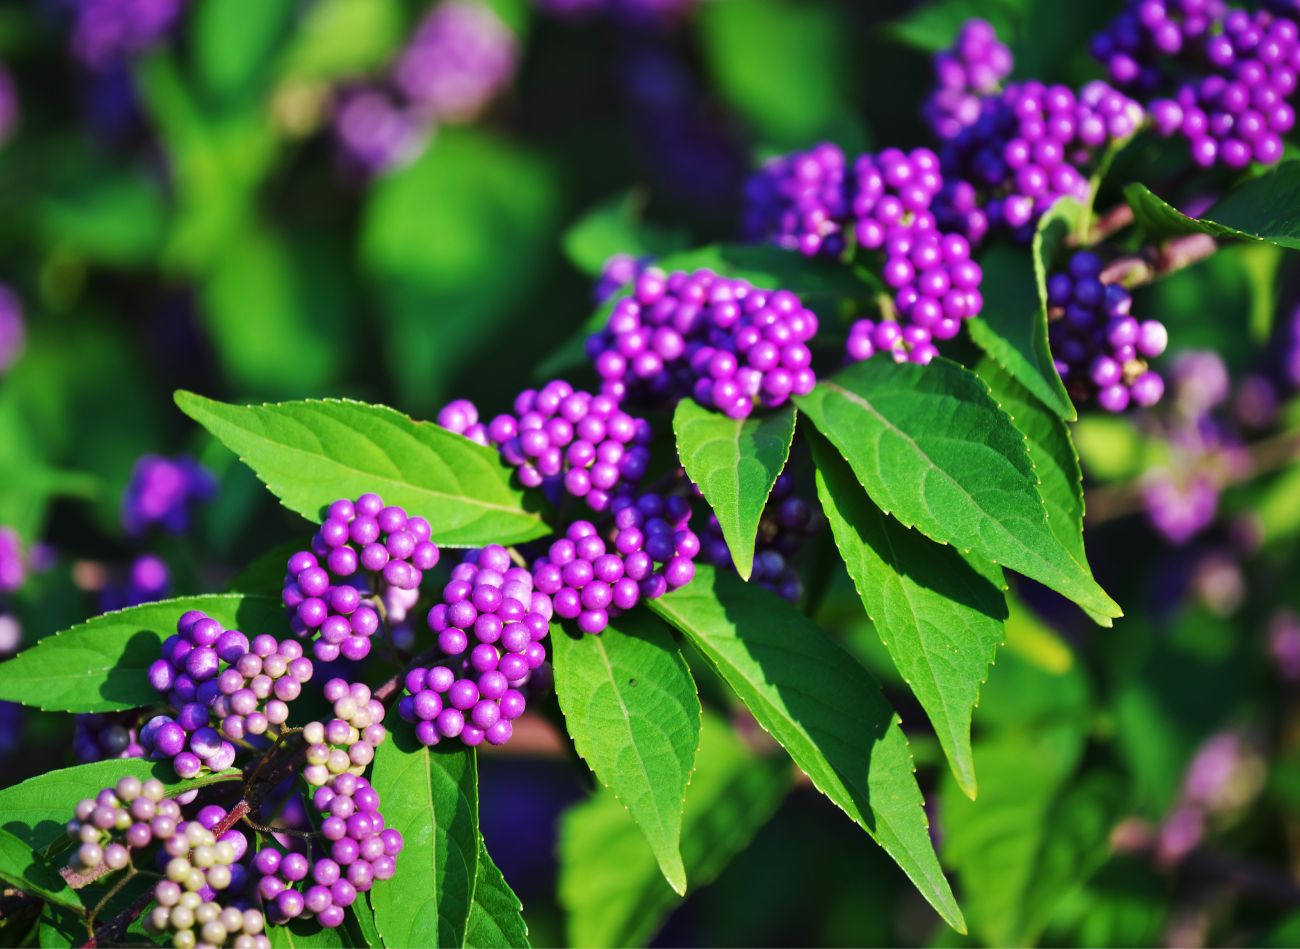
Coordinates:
(731,345)
(1100,348)
(974,67)
(1139,41)
(490,624)
(347,742)
(1031,145)
(104,32)
(146,580)
(801,202)
(459,59)
(564,441)
(650,551)
(13,333)
(216,678)
(162,493)
(787,521)
(1237,112)
(107,735)
(13,565)
(203,868)
(126,817)
(362,549)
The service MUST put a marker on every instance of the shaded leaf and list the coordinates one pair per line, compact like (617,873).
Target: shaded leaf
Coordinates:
(495,920)
(610,884)
(22,867)
(102,665)
(941,620)
(630,705)
(1264,208)
(735,462)
(823,708)
(311,453)
(934,450)
(614,227)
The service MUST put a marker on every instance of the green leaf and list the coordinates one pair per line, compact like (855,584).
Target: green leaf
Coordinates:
(614,227)
(363,918)
(1060,481)
(1012,328)
(1265,208)
(1035,834)
(610,884)
(823,708)
(311,453)
(785,66)
(37,810)
(431,796)
(934,450)
(495,919)
(632,710)
(234,42)
(941,620)
(102,665)
(30,872)
(336,38)
(735,462)
(934,26)
(455,244)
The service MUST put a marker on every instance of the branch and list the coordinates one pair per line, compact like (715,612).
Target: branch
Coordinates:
(1134,270)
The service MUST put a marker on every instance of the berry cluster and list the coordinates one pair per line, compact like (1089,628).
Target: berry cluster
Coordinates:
(1100,349)
(563,441)
(458,60)
(13,565)
(974,67)
(651,551)
(499,606)
(347,742)
(1030,145)
(126,817)
(162,493)
(13,333)
(362,549)
(731,345)
(787,521)
(147,580)
(107,735)
(105,32)
(215,676)
(1219,77)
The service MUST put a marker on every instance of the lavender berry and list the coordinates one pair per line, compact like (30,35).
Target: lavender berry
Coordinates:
(98,737)
(787,522)
(12,331)
(458,60)
(362,549)
(163,492)
(973,68)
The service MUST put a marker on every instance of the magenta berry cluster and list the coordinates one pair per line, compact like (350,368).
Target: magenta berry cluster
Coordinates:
(13,331)
(98,737)
(361,549)
(490,626)
(1100,348)
(1031,145)
(223,688)
(163,493)
(13,564)
(787,522)
(732,346)
(564,441)
(972,68)
(650,551)
(619,271)
(128,816)
(105,32)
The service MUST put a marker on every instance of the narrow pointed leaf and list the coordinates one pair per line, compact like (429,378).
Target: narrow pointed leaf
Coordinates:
(933,449)
(940,620)
(311,453)
(1055,462)
(496,919)
(431,796)
(1012,327)
(735,462)
(102,665)
(610,884)
(632,710)
(823,708)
